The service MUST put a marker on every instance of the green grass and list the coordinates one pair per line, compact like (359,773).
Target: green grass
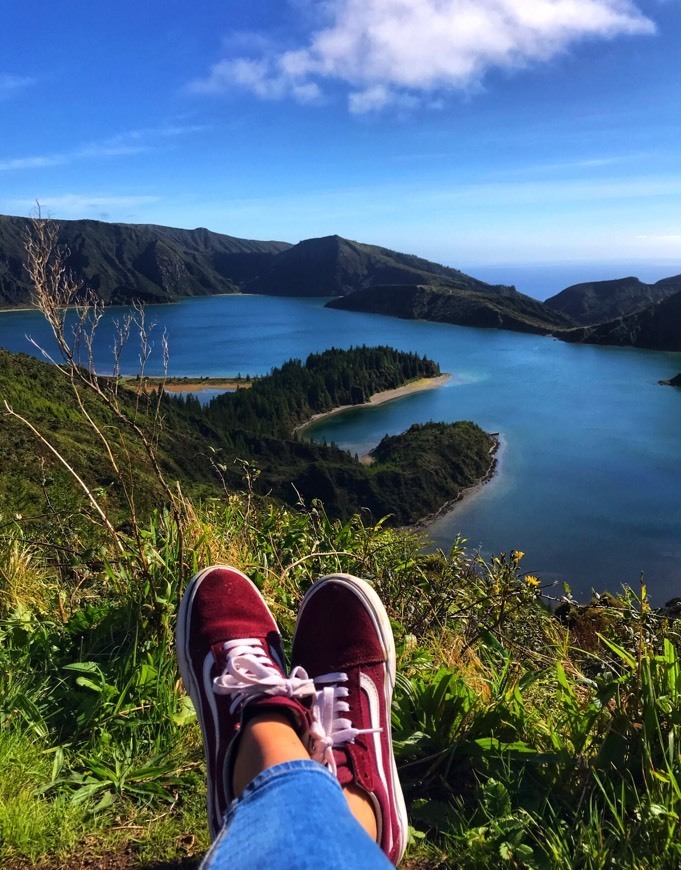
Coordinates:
(515,747)
(31,825)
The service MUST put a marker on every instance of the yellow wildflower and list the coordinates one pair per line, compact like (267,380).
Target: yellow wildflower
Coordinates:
(531,580)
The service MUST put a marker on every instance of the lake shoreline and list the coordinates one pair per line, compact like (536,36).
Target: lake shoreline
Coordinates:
(468,491)
(378,399)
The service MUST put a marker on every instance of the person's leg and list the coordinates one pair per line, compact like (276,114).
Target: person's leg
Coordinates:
(294,817)
(292,814)
(278,802)
(266,740)
(343,640)
(231,659)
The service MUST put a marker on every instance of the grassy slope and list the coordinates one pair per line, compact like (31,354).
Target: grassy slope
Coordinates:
(601,301)
(121,262)
(657,327)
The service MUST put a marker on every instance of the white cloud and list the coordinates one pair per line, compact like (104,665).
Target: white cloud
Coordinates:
(37,161)
(81,202)
(122,145)
(386,50)
(11,84)
(675,238)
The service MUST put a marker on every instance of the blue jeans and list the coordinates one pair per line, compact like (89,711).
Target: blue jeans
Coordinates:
(293,816)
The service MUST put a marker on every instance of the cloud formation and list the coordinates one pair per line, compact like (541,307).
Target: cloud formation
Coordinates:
(10,85)
(392,51)
(123,145)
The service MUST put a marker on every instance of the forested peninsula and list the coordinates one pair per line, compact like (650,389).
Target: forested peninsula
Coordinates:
(249,432)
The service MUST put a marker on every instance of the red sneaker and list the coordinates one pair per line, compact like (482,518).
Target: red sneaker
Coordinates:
(230,655)
(343,639)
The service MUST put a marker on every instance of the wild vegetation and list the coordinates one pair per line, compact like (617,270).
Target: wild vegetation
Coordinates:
(293,393)
(522,740)
(492,308)
(596,302)
(127,262)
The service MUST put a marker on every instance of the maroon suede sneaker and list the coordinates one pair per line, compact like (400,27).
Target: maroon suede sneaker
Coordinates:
(344,641)
(231,659)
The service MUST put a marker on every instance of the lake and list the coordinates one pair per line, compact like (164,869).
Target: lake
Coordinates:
(589,476)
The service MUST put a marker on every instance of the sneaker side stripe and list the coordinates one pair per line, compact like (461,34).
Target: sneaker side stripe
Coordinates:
(371,692)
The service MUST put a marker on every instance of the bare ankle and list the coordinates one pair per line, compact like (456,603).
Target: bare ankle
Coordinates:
(362,809)
(267,739)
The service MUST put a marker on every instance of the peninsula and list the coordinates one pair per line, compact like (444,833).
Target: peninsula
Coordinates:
(381,398)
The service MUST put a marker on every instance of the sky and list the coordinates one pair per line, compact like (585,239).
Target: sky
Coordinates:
(502,137)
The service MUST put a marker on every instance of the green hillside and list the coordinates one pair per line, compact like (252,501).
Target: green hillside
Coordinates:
(657,327)
(333,266)
(123,262)
(525,736)
(523,739)
(478,307)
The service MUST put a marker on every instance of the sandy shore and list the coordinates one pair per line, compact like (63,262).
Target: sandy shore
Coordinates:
(380,398)
(191,385)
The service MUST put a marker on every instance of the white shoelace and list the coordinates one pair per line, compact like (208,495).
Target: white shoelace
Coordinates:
(330,728)
(249,674)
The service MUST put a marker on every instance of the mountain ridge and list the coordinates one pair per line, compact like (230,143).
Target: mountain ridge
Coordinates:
(122,262)
(153,263)
(656,327)
(157,264)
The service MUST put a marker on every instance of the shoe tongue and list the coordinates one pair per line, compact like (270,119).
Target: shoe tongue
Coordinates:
(344,769)
(220,658)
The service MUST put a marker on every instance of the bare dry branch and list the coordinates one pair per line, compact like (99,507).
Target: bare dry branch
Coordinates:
(69,468)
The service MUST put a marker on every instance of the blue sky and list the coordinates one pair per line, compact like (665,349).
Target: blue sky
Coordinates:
(485,134)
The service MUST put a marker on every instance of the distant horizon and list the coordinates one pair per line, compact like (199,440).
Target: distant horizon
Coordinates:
(543,280)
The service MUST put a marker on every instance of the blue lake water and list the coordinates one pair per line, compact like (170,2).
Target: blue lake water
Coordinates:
(589,477)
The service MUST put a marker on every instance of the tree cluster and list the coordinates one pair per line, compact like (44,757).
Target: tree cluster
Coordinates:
(293,393)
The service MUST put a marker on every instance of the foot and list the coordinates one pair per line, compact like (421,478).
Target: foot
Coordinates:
(344,641)
(231,660)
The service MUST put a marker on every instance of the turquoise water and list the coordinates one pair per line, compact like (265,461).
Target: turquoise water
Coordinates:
(589,478)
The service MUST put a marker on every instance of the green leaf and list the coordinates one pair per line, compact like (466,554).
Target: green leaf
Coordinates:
(186,714)
(496,799)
